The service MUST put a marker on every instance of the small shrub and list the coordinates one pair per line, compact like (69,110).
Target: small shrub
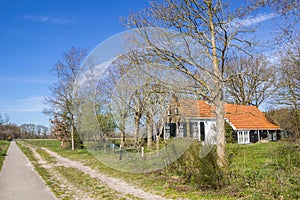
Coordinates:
(203,172)
(229,133)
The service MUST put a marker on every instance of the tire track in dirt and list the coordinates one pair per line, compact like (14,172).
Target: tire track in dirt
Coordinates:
(68,189)
(116,184)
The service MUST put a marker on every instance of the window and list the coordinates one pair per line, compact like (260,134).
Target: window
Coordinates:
(167,131)
(272,136)
(195,130)
(240,137)
(180,130)
(246,137)
(243,137)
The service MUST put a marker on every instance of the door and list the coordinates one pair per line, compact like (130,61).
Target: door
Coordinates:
(253,136)
(172,129)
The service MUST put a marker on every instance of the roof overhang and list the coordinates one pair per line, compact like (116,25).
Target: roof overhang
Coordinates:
(232,126)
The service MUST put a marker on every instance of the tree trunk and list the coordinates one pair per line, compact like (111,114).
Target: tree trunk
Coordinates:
(72,137)
(218,100)
(221,159)
(136,128)
(157,141)
(160,131)
(122,139)
(149,131)
(122,129)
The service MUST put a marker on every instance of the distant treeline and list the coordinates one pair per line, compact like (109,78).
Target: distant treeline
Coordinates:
(9,131)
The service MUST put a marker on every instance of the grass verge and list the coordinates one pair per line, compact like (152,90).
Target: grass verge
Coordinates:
(55,185)
(74,184)
(45,156)
(3,149)
(86,184)
(256,171)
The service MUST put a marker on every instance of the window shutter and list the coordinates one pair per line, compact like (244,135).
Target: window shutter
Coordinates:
(202,131)
(184,129)
(191,129)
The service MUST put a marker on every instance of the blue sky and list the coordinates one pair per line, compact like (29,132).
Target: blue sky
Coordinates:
(34,34)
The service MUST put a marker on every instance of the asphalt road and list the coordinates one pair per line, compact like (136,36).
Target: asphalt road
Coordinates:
(18,180)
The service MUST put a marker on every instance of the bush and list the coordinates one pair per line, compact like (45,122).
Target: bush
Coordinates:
(203,172)
(229,134)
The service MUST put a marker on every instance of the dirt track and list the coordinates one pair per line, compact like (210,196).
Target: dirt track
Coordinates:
(116,184)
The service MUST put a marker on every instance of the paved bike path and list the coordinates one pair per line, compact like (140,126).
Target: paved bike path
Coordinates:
(18,180)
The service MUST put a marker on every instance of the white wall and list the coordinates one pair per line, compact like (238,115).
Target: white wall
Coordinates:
(209,127)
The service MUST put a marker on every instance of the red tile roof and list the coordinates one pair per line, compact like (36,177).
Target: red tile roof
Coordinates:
(196,108)
(240,116)
(248,117)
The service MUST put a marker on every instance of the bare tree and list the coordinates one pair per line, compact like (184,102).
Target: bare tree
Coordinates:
(4,119)
(62,101)
(149,95)
(131,85)
(250,81)
(287,44)
(289,87)
(154,102)
(114,95)
(284,7)
(121,96)
(210,31)
(28,130)
(289,70)
(8,130)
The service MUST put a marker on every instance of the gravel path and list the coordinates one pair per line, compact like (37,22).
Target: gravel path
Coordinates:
(114,183)
(18,180)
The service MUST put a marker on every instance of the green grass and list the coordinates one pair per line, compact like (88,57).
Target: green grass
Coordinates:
(45,156)
(48,143)
(3,149)
(92,187)
(256,171)
(84,182)
(266,170)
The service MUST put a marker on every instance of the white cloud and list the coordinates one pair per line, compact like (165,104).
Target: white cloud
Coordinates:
(46,19)
(31,104)
(254,20)
(258,19)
